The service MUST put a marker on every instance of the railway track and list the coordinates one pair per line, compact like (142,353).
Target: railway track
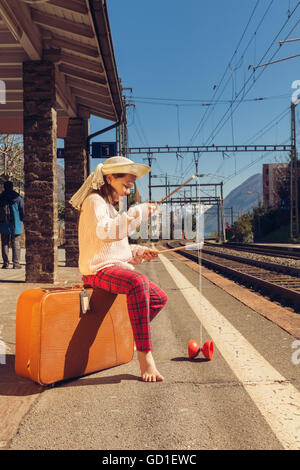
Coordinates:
(276,251)
(278,281)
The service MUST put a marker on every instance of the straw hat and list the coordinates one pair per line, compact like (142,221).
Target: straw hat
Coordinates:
(111,166)
(124,165)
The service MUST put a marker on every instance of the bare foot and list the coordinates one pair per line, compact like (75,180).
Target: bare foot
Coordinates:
(149,373)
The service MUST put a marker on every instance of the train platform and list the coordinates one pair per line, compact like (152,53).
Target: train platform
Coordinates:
(247,397)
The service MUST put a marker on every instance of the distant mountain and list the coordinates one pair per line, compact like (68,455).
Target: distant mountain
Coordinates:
(240,200)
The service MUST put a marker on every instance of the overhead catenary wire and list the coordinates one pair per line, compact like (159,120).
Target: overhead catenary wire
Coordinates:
(252,75)
(258,99)
(229,111)
(198,128)
(181,102)
(267,128)
(253,37)
(243,91)
(262,157)
(217,129)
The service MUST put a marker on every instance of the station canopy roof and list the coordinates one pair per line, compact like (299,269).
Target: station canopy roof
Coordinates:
(76,35)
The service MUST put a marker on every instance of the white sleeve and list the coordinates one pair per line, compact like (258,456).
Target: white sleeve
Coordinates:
(119,227)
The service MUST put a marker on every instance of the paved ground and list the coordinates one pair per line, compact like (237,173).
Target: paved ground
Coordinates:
(245,398)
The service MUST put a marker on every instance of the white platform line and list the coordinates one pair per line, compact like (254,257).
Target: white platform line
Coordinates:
(275,397)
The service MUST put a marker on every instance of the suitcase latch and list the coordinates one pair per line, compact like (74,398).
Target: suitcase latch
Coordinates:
(85,301)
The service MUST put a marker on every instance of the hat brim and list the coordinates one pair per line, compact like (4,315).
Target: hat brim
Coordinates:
(137,169)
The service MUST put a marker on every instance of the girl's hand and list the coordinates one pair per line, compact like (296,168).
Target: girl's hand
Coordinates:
(150,254)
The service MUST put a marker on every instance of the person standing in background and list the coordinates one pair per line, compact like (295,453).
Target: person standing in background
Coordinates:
(11,224)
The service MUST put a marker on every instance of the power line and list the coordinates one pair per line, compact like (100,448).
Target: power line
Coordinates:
(230,110)
(243,90)
(213,133)
(262,157)
(216,88)
(255,137)
(196,102)
(200,125)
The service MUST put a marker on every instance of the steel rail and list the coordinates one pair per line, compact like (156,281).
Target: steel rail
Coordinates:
(280,268)
(272,288)
(280,252)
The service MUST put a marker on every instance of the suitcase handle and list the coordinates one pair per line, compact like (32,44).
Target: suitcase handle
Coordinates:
(84,295)
(53,289)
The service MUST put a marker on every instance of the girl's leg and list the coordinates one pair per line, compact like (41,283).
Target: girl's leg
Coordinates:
(158,299)
(144,300)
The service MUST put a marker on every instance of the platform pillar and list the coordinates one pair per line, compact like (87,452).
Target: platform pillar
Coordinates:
(76,169)
(40,131)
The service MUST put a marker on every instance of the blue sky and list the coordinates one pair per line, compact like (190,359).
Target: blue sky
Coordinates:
(189,65)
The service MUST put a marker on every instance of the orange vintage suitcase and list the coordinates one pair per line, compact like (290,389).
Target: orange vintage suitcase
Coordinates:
(59,336)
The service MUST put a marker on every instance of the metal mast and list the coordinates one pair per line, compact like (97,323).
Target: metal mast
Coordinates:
(294,205)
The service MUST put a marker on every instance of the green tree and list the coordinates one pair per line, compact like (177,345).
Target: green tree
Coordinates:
(61,211)
(241,230)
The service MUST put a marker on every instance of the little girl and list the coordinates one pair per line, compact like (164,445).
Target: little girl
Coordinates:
(106,259)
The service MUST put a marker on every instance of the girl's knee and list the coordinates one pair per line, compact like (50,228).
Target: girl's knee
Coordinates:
(139,281)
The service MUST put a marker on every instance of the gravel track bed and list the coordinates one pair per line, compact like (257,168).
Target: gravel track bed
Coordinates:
(271,259)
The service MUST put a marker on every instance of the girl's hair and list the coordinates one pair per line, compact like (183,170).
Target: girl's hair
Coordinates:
(106,191)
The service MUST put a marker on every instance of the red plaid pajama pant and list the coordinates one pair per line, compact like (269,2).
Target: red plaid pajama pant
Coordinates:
(144,298)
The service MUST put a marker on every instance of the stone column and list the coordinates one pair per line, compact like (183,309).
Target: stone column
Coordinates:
(40,123)
(76,164)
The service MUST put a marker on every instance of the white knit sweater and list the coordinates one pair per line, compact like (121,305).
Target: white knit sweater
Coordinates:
(103,235)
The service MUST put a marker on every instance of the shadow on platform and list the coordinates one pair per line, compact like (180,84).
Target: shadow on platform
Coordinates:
(187,359)
(88,380)
(13,385)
